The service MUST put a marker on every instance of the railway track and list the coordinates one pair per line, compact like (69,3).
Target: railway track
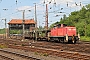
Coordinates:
(17,56)
(79,47)
(64,54)
(59,49)
(5,57)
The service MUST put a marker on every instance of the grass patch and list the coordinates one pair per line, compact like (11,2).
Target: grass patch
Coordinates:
(36,53)
(83,38)
(3,46)
(45,54)
(22,44)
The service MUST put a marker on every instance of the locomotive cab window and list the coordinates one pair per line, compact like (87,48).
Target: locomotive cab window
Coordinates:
(54,26)
(61,25)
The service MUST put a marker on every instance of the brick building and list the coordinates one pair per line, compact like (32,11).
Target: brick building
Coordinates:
(16,24)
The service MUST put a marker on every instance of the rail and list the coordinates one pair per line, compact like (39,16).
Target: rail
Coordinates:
(17,54)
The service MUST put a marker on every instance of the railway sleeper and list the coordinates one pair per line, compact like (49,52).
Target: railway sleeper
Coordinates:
(5,57)
(21,55)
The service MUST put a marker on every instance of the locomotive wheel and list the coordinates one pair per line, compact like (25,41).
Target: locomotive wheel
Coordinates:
(48,40)
(62,40)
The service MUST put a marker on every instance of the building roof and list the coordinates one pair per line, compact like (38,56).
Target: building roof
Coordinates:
(19,21)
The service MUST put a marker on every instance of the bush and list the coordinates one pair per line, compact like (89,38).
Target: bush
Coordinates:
(15,31)
(2,31)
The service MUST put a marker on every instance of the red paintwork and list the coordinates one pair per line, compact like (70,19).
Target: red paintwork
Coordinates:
(62,31)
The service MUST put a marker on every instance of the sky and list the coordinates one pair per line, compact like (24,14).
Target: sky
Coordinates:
(12,9)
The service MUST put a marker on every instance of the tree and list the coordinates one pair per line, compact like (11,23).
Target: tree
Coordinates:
(80,19)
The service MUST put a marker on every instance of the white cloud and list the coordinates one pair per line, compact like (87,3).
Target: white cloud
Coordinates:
(27,9)
(32,8)
(14,17)
(24,8)
(39,7)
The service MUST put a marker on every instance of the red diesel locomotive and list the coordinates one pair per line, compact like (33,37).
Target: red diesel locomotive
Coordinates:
(63,33)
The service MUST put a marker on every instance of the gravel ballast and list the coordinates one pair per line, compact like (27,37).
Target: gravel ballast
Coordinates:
(37,55)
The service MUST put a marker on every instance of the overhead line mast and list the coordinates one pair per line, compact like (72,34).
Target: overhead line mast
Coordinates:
(46,22)
(23,24)
(35,22)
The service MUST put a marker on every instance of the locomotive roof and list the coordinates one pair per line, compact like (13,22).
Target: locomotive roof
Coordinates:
(60,25)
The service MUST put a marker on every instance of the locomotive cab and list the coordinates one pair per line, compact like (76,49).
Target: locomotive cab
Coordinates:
(72,36)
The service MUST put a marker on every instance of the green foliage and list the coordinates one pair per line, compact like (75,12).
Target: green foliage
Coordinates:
(80,19)
(86,39)
(45,54)
(22,44)
(2,31)
(36,53)
(15,31)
